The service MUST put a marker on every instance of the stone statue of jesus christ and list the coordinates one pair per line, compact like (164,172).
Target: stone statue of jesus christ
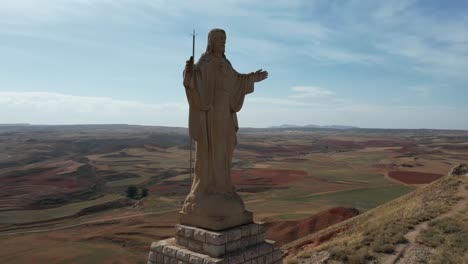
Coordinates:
(215,92)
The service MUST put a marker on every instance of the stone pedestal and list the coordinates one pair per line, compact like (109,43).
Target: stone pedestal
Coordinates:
(242,244)
(216,222)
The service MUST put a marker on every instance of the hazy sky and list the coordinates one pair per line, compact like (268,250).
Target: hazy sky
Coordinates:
(383,64)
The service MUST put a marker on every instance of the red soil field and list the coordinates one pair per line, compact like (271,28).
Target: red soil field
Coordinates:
(284,232)
(63,167)
(270,177)
(347,144)
(247,177)
(21,190)
(414,177)
(48,176)
(277,150)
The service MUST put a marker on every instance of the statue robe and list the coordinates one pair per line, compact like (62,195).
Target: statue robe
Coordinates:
(215,92)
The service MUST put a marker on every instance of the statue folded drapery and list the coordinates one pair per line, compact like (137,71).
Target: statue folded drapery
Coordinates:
(215,92)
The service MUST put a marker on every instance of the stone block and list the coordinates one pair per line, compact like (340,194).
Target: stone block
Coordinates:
(251,253)
(174,261)
(194,245)
(265,248)
(214,250)
(244,242)
(232,246)
(235,259)
(216,238)
(277,255)
(180,231)
(182,241)
(183,255)
(158,246)
(169,251)
(152,256)
(261,228)
(160,258)
(261,260)
(269,258)
(234,234)
(199,234)
(166,260)
(246,230)
(188,232)
(213,261)
(260,238)
(195,259)
(253,240)
(254,229)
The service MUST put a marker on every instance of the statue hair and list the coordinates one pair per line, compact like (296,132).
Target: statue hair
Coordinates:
(211,34)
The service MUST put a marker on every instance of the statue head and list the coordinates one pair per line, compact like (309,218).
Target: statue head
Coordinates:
(216,41)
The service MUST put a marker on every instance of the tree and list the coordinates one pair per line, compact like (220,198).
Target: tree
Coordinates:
(132,192)
(144,192)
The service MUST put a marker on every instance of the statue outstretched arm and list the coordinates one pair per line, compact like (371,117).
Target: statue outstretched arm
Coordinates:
(260,75)
(190,75)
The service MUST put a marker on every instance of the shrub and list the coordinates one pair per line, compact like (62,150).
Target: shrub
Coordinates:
(132,192)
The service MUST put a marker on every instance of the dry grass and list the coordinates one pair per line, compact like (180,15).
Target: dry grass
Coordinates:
(448,237)
(380,230)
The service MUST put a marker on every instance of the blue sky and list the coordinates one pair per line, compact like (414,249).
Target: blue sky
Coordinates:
(382,64)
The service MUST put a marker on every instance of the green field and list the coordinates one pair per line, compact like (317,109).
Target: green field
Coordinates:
(362,199)
(28,216)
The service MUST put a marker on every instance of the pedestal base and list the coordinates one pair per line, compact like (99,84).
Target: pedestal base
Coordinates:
(216,223)
(242,244)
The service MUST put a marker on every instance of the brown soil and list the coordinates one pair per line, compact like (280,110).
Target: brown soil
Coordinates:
(171,188)
(347,144)
(414,177)
(23,188)
(286,231)
(251,180)
(268,177)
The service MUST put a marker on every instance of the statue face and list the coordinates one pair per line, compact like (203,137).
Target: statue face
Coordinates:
(219,42)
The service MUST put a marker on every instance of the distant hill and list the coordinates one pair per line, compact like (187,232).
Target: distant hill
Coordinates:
(286,126)
(15,124)
(427,225)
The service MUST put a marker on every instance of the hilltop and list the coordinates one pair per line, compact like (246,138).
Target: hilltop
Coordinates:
(429,225)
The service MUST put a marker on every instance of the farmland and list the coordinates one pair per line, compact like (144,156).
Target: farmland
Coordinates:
(59,176)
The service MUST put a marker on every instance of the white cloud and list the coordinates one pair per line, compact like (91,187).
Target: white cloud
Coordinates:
(302,92)
(434,46)
(424,91)
(277,101)
(54,108)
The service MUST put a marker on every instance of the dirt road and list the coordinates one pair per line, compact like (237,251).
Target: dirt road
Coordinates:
(100,221)
(413,252)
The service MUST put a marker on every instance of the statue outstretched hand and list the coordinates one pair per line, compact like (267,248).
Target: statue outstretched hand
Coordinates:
(260,75)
